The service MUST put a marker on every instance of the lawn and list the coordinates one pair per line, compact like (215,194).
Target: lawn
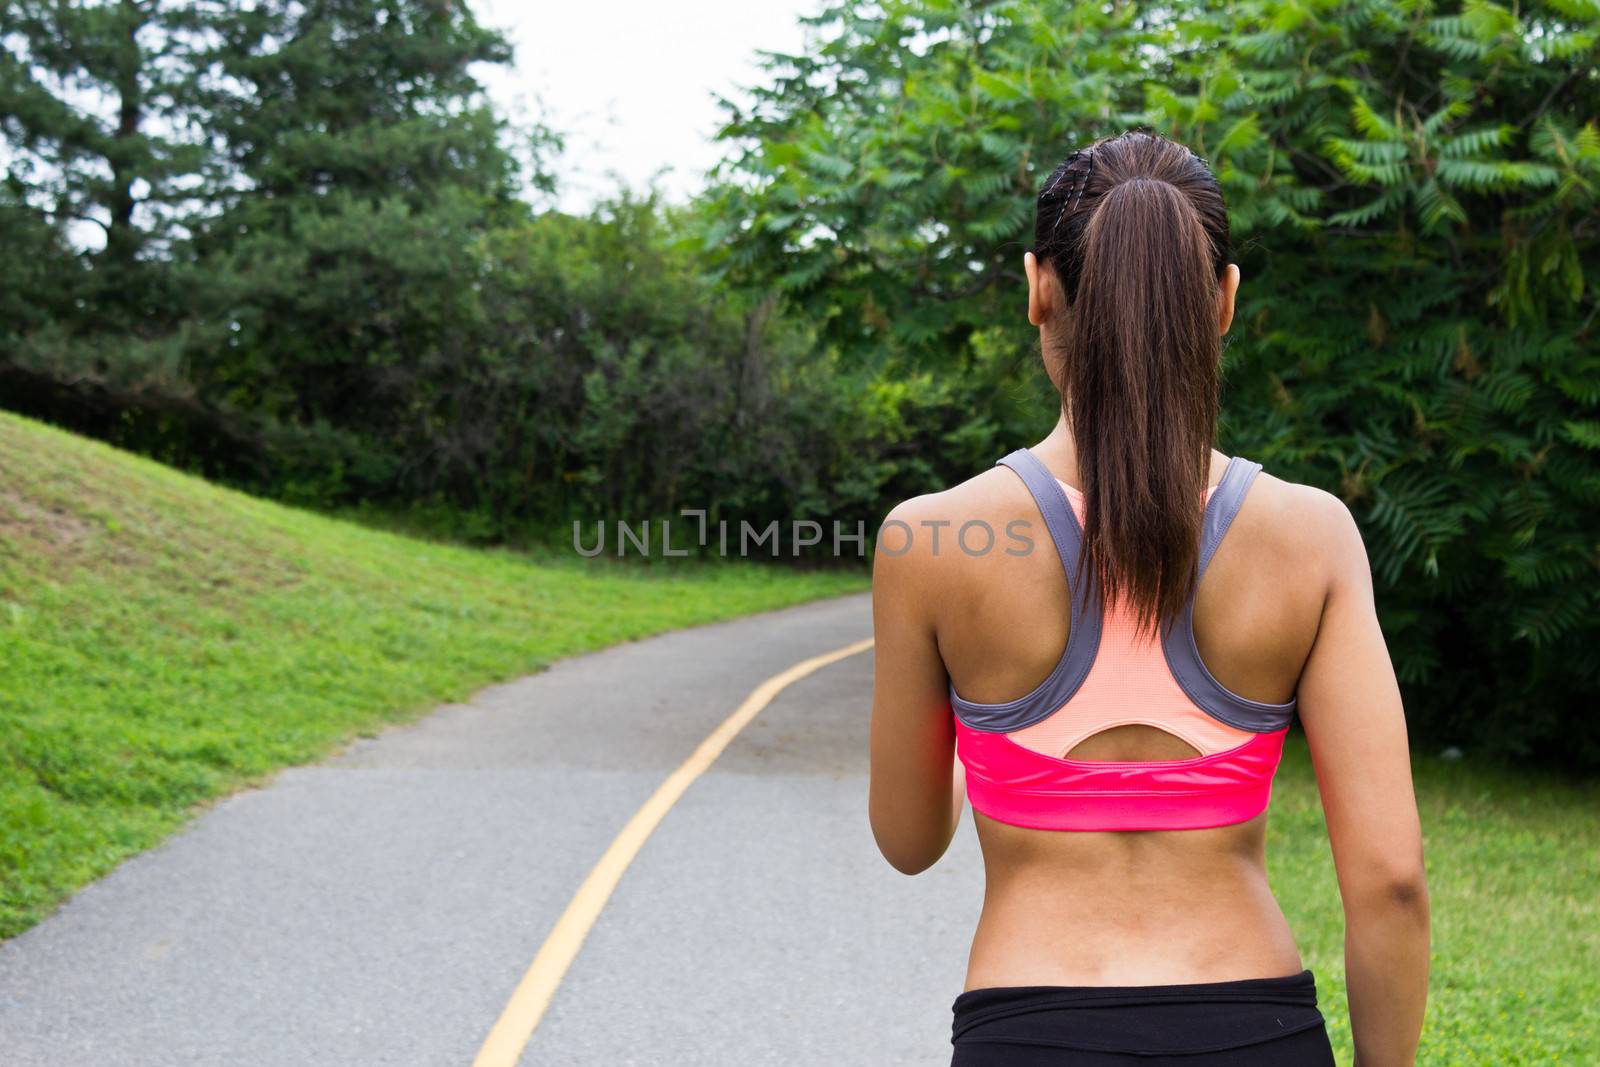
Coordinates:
(165,641)
(1514,878)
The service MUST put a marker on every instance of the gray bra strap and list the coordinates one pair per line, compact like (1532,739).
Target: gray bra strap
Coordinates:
(1224,505)
(1083,639)
(1059,518)
(1178,643)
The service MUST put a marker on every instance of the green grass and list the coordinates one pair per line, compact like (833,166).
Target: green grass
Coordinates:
(165,641)
(1514,880)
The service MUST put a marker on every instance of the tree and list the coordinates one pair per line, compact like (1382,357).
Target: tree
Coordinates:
(99,138)
(1413,191)
(359,166)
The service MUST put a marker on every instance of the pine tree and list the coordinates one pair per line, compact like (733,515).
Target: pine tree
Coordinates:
(359,163)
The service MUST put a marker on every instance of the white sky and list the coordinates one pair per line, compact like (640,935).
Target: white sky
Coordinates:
(629,82)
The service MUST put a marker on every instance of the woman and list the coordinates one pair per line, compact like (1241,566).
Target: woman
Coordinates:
(1105,638)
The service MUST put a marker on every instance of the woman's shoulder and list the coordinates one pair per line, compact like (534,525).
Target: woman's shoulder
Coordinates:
(1303,523)
(1311,507)
(986,497)
(1299,523)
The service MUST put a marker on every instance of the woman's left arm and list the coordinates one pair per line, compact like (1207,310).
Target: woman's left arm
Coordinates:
(916,791)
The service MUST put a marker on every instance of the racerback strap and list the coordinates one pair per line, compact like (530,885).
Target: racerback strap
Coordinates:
(1178,643)
(1224,505)
(1083,637)
(1059,518)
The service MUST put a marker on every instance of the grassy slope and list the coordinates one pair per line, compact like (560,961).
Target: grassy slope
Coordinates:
(164,641)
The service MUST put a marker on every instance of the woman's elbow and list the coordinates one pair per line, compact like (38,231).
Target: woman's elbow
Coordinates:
(907,852)
(1393,890)
(909,861)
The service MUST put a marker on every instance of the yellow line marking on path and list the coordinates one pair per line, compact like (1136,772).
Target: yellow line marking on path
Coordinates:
(504,1045)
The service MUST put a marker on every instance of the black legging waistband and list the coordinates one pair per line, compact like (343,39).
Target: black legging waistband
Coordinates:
(1140,1020)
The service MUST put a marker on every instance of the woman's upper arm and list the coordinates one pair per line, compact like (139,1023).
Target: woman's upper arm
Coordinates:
(1349,703)
(912,736)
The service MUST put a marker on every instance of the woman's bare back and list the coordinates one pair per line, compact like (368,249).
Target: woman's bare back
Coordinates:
(1124,907)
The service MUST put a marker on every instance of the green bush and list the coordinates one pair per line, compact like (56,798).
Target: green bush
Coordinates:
(1413,190)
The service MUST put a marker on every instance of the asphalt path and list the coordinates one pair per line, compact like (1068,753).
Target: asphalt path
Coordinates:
(382,906)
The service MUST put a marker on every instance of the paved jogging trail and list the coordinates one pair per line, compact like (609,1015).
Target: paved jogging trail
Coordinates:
(382,906)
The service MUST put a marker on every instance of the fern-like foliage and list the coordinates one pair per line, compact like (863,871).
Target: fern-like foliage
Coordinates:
(1414,192)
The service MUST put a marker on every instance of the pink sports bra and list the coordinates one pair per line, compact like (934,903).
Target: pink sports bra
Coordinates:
(1108,675)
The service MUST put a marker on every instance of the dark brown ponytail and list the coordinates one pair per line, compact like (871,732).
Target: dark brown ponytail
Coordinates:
(1136,230)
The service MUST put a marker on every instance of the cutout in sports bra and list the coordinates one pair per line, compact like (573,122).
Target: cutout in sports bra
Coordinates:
(1015,752)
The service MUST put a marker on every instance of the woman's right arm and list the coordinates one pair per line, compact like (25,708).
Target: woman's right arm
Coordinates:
(1349,704)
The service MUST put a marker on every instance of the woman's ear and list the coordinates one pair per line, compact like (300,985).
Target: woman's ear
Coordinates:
(1038,298)
(1228,286)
